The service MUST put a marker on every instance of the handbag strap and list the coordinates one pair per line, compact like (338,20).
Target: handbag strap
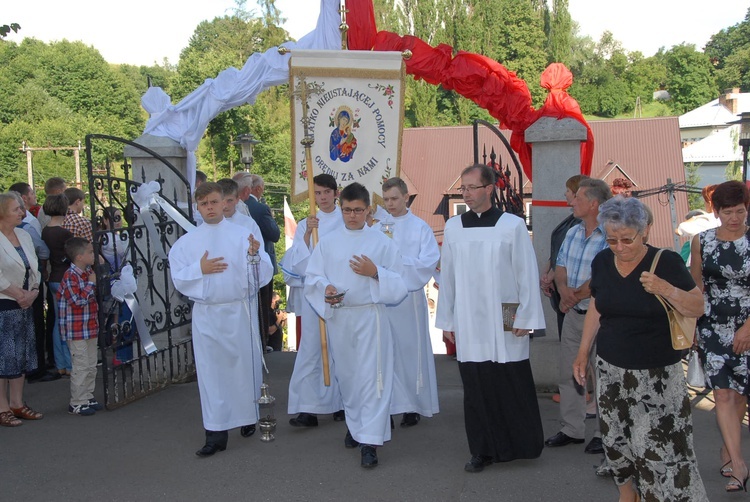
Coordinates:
(664,303)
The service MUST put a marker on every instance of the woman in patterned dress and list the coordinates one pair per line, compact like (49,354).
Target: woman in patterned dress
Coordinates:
(721,263)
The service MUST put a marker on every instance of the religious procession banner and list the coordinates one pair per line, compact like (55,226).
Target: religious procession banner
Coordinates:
(354,115)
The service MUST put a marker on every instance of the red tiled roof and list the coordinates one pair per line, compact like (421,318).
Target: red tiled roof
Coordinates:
(647,150)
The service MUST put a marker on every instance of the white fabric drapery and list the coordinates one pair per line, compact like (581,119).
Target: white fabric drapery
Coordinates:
(186,121)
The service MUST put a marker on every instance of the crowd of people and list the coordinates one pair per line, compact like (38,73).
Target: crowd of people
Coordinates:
(357,283)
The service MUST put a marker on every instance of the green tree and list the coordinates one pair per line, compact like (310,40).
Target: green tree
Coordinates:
(560,36)
(692,178)
(728,51)
(690,79)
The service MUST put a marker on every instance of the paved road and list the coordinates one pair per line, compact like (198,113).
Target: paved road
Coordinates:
(145,451)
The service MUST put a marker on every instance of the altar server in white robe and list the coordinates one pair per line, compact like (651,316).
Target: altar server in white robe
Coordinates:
(363,263)
(487,262)
(232,212)
(210,266)
(308,394)
(414,382)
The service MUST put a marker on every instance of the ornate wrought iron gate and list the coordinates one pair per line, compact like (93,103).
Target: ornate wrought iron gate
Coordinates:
(509,191)
(121,238)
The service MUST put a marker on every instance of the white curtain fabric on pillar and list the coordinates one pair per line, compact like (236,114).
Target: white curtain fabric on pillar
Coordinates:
(186,121)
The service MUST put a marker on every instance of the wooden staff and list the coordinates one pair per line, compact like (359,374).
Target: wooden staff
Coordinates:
(302,92)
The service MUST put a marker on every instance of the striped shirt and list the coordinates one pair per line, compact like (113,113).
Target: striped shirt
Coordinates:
(576,254)
(78,312)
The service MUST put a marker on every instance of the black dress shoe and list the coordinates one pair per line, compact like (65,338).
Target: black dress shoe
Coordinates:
(410,419)
(304,420)
(561,439)
(369,456)
(339,416)
(594,446)
(247,430)
(349,441)
(477,463)
(210,449)
(50,376)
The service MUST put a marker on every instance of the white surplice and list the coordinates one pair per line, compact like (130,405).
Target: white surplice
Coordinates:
(227,353)
(414,381)
(482,268)
(248,222)
(359,333)
(307,390)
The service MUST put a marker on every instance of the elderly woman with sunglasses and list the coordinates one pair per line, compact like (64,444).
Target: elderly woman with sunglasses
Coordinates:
(645,417)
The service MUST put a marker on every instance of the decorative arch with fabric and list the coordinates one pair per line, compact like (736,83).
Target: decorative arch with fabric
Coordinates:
(478,78)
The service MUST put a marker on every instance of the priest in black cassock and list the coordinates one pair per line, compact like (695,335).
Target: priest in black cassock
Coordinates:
(487,266)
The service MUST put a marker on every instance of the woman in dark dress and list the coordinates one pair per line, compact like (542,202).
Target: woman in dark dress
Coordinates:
(644,409)
(55,236)
(720,263)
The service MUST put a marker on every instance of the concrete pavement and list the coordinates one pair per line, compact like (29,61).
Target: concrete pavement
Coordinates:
(145,451)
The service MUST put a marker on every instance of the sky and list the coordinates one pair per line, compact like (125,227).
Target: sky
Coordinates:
(142,32)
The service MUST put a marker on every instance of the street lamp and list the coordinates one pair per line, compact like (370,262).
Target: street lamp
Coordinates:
(744,123)
(246,142)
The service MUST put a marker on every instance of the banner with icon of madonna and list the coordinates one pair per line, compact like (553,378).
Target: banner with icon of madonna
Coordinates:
(355,110)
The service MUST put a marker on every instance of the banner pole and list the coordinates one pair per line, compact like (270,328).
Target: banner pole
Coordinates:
(302,92)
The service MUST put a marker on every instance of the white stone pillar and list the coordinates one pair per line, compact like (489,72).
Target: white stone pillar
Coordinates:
(151,294)
(556,155)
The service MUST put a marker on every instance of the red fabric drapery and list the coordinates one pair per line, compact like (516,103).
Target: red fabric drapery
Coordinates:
(481,79)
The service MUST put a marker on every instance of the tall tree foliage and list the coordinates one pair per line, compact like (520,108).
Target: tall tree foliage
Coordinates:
(690,79)
(560,33)
(55,94)
(729,51)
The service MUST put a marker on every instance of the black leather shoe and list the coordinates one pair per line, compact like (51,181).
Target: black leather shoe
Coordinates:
(477,463)
(210,449)
(339,416)
(247,430)
(349,441)
(410,419)
(561,439)
(369,456)
(304,420)
(594,446)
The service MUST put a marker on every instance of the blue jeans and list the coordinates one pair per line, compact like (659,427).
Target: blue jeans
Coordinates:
(62,354)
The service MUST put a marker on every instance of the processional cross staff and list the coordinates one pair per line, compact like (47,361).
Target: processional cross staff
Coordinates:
(303,91)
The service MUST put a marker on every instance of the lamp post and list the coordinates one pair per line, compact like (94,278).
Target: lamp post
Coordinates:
(744,142)
(246,142)
(744,123)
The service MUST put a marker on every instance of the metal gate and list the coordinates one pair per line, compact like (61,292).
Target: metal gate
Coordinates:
(121,238)
(509,191)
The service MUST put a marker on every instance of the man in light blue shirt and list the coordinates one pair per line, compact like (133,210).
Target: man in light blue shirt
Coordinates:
(572,276)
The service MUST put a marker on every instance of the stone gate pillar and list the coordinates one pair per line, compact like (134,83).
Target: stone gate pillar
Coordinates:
(556,156)
(155,289)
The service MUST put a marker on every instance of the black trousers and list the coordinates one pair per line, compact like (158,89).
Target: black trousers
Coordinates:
(50,325)
(40,334)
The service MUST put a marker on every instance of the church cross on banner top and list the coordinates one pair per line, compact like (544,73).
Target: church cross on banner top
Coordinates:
(303,91)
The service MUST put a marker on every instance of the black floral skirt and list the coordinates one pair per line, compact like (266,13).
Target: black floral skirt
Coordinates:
(647,431)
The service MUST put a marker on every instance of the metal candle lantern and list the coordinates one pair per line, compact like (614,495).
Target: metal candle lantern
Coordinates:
(267,422)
